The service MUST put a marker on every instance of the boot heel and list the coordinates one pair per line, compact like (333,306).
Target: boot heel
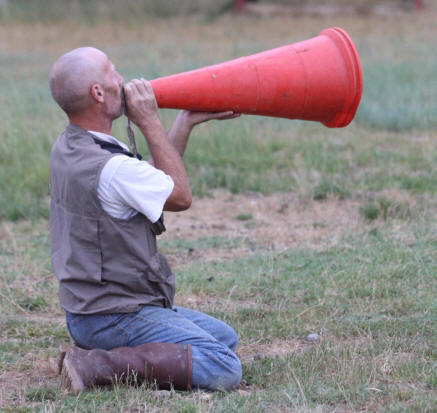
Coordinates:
(61,355)
(70,379)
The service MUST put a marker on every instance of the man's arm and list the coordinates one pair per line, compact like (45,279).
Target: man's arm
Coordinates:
(180,198)
(142,110)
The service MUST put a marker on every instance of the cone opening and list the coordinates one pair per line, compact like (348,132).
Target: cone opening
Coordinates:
(353,68)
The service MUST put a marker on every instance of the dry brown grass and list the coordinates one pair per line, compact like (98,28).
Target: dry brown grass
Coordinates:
(270,222)
(277,348)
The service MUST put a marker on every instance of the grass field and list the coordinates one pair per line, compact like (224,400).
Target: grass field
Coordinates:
(295,228)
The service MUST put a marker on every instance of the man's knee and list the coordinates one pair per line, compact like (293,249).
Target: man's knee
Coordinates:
(231,338)
(216,370)
(228,378)
(232,378)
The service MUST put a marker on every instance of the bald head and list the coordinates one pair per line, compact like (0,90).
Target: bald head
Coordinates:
(72,76)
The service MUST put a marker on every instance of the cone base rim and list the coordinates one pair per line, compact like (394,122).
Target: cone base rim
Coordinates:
(352,101)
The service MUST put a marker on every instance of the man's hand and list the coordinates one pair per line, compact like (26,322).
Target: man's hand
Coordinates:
(194,118)
(186,120)
(141,106)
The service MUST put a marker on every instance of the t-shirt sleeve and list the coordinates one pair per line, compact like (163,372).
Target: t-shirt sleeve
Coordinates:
(138,185)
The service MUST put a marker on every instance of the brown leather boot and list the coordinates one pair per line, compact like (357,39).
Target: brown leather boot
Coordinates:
(164,363)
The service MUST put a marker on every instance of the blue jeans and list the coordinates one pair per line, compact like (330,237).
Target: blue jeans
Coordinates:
(213,342)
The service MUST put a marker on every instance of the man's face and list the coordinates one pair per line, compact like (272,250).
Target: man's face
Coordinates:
(112,86)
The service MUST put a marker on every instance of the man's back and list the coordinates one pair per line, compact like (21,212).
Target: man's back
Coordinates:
(104,264)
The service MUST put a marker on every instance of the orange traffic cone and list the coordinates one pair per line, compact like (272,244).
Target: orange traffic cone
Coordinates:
(317,79)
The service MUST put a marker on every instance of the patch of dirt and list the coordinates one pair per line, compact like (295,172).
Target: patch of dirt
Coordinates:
(400,198)
(387,362)
(15,384)
(30,372)
(278,348)
(265,223)
(57,317)
(203,303)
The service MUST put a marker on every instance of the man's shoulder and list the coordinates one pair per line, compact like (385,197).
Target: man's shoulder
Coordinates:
(76,138)
(75,150)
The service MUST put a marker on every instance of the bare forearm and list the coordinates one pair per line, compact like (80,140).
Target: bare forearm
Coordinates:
(186,120)
(142,109)
(179,132)
(164,154)
(166,157)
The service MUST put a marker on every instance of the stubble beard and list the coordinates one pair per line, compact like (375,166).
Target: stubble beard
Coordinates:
(117,107)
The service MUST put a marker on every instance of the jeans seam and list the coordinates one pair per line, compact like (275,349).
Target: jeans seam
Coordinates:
(123,331)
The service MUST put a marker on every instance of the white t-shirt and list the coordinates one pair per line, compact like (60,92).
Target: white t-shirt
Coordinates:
(128,186)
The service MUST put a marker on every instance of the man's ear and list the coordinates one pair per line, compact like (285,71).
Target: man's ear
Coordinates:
(97,93)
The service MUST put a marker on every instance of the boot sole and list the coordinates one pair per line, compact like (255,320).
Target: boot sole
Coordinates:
(70,379)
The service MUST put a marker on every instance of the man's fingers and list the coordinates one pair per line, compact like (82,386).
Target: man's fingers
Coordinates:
(147,85)
(199,117)
(139,85)
(223,115)
(141,102)
(228,115)
(139,89)
(128,90)
(235,115)
(142,86)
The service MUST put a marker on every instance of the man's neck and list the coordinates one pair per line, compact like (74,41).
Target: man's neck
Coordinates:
(93,123)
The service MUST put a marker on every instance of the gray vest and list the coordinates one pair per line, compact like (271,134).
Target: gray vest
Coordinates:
(103,264)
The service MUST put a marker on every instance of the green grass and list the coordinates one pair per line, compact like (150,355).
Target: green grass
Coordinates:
(368,292)
(176,245)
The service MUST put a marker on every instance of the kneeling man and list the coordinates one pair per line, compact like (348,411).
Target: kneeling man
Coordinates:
(106,211)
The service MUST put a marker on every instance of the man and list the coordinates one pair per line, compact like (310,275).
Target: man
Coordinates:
(105,213)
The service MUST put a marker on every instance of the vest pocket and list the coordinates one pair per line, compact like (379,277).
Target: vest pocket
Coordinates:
(131,264)
(75,250)
(163,280)
(85,249)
